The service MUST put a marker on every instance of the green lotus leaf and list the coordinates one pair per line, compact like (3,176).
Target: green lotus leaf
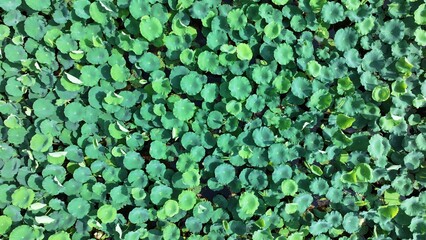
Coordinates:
(332,12)
(162,86)
(198,10)
(35,27)
(107,213)
(15,53)
(78,207)
(149,62)
(150,28)
(283,54)
(65,43)
(263,137)
(187,56)
(113,99)
(282,84)
(185,163)
(97,56)
(364,173)
(404,66)
(133,160)
(366,25)
(60,236)
(345,39)
(255,103)
(344,122)
(303,201)
(319,186)
(73,112)
(5,224)
(233,107)
(23,197)
(171,208)
(159,194)
(191,178)
(236,19)
(138,8)
(273,30)
(289,187)
(381,93)
(45,56)
(421,141)
(119,73)
(258,179)
(361,173)
(420,14)
(321,99)
(334,218)
(224,173)
(314,68)
(184,109)
(319,227)
(373,61)
(317,5)
(216,39)
(158,150)
(215,119)
(280,2)
(90,75)
(192,83)
(56,158)
(291,208)
(301,87)
(193,225)
(420,37)
(82,174)
(9,5)
(392,31)
(388,211)
(226,142)
(17,135)
(4,31)
(351,223)
(41,142)
(345,85)
(22,232)
(187,200)
(98,13)
(208,61)
(391,197)
(190,140)
(38,5)
(12,122)
(248,203)
(262,74)
(281,172)
(413,160)
(417,225)
(138,216)
(240,87)
(244,52)
(298,23)
(43,108)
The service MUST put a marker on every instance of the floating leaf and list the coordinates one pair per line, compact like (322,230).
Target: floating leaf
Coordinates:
(107,213)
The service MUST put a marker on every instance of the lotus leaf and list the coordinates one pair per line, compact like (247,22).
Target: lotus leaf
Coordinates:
(107,213)
(248,203)
(150,28)
(23,197)
(193,119)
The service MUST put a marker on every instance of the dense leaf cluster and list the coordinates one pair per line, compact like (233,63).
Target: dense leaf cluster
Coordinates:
(208,119)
